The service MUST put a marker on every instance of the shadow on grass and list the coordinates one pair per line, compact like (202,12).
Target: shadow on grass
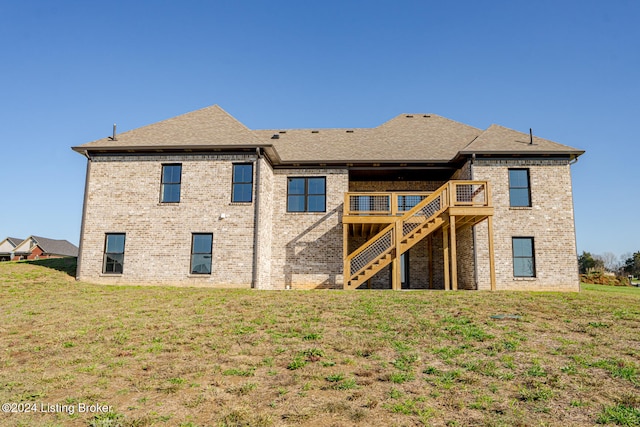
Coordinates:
(66,265)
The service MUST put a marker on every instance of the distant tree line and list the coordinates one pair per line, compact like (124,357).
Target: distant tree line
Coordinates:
(627,264)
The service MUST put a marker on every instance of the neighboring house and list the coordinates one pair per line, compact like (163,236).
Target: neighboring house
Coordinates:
(7,247)
(419,202)
(35,247)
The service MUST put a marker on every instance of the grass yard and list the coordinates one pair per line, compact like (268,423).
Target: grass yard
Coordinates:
(195,357)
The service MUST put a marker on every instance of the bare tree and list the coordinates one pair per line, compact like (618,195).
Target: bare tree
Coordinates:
(598,263)
(611,262)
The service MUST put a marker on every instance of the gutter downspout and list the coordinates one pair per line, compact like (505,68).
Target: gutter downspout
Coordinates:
(473,234)
(573,208)
(256,221)
(84,213)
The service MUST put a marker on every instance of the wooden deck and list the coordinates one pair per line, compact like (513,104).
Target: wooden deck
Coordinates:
(393,222)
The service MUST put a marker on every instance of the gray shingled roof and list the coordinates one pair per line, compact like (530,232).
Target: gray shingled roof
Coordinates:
(54,247)
(208,127)
(405,138)
(57,247)
(501,140)
(14,241)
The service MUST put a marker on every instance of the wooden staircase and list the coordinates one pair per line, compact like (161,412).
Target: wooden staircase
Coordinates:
(406,230)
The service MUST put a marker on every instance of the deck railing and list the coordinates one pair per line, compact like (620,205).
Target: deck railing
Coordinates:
(382,204)
(460,193)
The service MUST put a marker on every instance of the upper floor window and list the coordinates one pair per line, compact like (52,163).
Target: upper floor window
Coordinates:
(201,245)
(242,183)
(519,188)
(306,194)
(171,176)
(524,263)
(113,262)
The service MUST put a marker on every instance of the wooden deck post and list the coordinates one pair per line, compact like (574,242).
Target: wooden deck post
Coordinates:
(492,261)
(396,278)
(445,254)
(346,273)
(394,204)
(430,253)
(454,261)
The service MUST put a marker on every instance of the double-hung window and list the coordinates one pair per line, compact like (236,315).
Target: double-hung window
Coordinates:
(201,244)
(113,262)
(242,191)
(306,194)
(171,176)
(524,262)
(519,188)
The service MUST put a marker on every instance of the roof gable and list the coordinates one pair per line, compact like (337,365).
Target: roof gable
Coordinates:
(13,240)
(8,244)
(25,245)
(211,126)
(426,136)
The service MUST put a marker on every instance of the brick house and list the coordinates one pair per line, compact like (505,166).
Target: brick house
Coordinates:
(36,247)
(419,202)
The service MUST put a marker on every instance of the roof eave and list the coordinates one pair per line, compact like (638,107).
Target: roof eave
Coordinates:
(571,153)
(147,148)
(269,149)
(343,162)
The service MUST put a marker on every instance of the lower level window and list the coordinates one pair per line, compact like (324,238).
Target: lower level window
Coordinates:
(113,253)
(524,262)
(201,253)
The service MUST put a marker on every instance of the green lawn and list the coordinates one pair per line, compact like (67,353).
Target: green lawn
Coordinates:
(628,290)
(167,356)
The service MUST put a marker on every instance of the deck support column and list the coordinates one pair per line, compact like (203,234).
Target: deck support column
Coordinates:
(396,277)
(445,254)
(430,254)
(346,270)
(454,261)
(492,262)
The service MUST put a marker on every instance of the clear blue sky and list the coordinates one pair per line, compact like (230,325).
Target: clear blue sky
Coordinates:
(569,69)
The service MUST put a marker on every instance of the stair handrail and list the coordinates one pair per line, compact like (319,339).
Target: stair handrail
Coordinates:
(370,242)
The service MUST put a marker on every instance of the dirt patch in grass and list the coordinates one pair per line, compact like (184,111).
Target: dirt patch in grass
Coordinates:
(196,357)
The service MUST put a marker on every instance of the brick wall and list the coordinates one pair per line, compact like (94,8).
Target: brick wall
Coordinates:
(265,226)
(306,249)
(124,197)
(550,221)
(383,186)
